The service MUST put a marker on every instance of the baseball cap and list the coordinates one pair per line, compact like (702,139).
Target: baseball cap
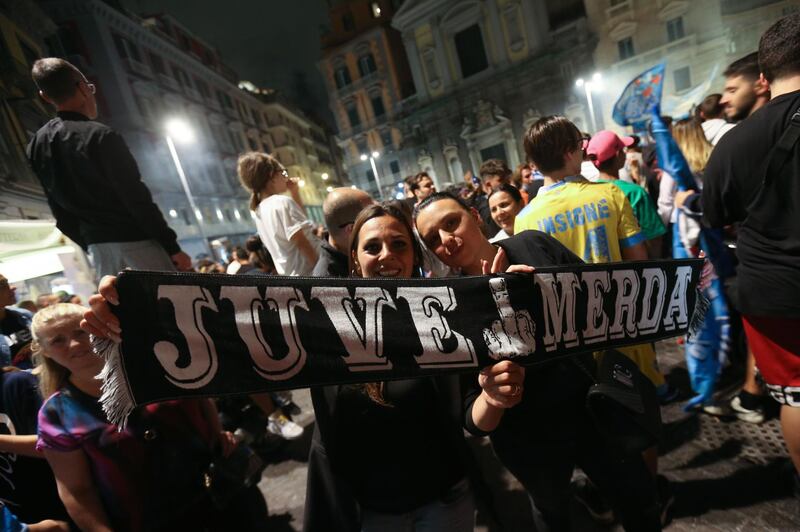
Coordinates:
(605,144)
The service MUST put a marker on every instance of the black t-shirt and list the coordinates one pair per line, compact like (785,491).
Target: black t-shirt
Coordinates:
(397,457)
(554,391)
(16,327)
(769,254)
(27,485)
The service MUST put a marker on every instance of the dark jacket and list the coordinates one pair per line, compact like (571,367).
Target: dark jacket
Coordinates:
(331,262)
(93,185)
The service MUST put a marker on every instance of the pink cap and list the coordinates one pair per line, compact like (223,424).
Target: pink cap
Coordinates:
(605,145)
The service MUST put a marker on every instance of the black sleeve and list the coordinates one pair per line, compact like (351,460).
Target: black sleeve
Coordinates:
(470,390)
(117,163)
(535,248)
(719,196)
(693,205)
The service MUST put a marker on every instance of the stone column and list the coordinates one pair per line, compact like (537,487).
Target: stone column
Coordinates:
(500,55)
(420,82)
(441,54)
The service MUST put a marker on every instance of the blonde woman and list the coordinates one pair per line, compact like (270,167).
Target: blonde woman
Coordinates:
(282,224)
(147,476)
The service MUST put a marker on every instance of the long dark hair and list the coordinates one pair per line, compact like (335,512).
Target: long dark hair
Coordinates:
(375,390)
(386,208)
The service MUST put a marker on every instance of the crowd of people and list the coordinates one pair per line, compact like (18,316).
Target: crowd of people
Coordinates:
(392,455)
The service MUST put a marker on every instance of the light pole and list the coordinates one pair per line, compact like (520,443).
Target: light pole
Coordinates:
(181,131)
(596,84)
(372,158)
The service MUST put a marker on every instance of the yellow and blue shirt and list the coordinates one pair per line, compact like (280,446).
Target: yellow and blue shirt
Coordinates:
(594,220)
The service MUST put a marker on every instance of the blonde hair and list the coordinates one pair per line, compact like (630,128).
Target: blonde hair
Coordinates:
(255,170)
(53,375)
(689,136)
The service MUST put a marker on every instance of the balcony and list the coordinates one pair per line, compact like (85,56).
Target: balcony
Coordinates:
(620,10)
(194,94)
(136,67)
(734,7)
(655,55)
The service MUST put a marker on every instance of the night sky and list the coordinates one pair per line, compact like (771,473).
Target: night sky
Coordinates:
(273,43)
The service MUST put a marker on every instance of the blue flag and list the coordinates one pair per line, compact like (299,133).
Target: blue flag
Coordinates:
(639,97)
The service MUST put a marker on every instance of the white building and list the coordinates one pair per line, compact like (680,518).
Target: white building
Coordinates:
(148,70)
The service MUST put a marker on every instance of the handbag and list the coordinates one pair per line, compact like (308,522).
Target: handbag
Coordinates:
(227,476)
(623,403)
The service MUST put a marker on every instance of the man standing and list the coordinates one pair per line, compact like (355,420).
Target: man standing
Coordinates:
(753,177)
(340,209)
(92,182)
(607,151)
(745,90)
(15,329)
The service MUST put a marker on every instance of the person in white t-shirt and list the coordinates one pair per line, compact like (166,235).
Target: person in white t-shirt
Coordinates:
(281,221)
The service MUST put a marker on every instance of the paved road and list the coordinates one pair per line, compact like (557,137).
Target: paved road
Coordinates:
(726,474)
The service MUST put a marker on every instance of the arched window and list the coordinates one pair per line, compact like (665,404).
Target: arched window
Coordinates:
(366,64)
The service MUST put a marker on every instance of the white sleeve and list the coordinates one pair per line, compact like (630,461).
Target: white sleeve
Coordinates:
(666,197)
(294,219)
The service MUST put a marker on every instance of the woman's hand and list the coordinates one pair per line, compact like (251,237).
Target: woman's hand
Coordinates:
(227,442)
(500,264)
(502,384)
(99,320)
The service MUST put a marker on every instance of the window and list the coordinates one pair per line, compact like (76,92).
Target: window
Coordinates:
(377,105)
(370,176)
(366,64)
(376,10)
(675,29)
(625,47)
(394,166)
(386,138)
(342,76)
(347,22)
(157,63)
(126,49)
(683,79)
(498,151)
(352,115)
(471,52)
(202,87)
(181,76)
(224,100)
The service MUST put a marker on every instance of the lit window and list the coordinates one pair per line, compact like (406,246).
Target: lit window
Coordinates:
(683,79)
(173,213)
(376,10)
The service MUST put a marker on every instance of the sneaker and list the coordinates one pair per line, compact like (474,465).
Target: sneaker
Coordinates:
(750,416)
(282,426)
(590,497)
(666,498)
(714,409)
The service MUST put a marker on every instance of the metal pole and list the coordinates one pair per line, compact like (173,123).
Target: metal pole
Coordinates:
(586,87)
(377,177)
(188,192)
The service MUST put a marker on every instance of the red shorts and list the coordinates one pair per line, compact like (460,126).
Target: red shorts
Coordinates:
(775,343)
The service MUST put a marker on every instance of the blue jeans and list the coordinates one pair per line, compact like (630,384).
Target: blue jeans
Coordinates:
(457,514)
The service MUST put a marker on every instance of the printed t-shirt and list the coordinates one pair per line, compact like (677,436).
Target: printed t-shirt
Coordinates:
(643,208)
(146,474)
(595,221)
(278,219)
(27,486)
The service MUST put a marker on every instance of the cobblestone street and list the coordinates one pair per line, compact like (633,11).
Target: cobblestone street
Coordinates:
(726,474)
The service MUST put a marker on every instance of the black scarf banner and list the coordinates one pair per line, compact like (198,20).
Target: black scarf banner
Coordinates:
(192,335)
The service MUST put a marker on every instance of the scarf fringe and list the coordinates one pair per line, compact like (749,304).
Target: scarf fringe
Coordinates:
(116,398)
(699,314)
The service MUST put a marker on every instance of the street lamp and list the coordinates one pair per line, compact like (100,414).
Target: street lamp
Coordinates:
(595,85)
(179,130)
(372,158)
(324,176)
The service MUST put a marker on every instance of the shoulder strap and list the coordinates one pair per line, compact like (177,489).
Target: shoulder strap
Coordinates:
(785,147)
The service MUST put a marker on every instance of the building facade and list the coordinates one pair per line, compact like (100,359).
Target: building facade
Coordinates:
(697,40)
(481,72)
(367,76)
(26,33)
(151,69)
(484,70)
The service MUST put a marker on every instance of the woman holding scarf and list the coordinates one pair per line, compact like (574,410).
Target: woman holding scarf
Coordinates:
(550,431)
